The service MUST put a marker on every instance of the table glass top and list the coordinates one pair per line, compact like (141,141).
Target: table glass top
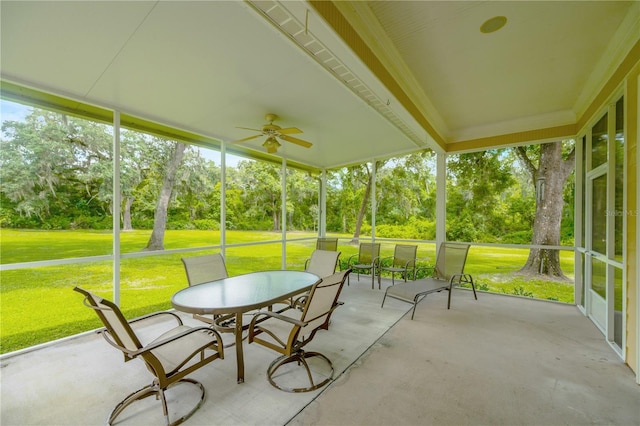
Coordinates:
(242,292)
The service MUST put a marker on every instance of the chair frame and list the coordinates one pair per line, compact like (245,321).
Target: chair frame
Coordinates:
(366,252)
(132,348)
(298,336)
(443,279)
(400,264)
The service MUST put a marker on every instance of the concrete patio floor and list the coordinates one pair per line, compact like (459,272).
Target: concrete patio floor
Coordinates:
(499,360)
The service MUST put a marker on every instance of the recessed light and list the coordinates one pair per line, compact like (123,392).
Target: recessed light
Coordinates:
(493,24)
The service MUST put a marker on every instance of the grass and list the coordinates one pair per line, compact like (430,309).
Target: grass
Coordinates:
(38,305)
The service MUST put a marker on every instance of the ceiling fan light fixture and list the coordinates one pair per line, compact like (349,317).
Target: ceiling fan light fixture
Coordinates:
(493,24)
(271,144)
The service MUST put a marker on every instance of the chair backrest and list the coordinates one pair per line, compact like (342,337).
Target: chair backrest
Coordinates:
(322,301)
(330,244)
(204,269)
(113,320)
(405,254)
(323,263)
(450,260)
(368,251)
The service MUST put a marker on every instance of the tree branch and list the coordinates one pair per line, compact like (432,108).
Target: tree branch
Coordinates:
(526,161)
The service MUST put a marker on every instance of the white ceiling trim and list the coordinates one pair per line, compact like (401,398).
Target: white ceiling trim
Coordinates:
(361,17)
(293,20)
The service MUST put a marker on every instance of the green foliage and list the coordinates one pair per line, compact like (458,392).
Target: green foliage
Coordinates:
(413,229)
(57,172)
(518,237)
(207,224)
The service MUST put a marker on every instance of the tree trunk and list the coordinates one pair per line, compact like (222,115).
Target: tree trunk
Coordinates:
(156,242)
(363,206)
(549,179)
(275,215)
(126,214)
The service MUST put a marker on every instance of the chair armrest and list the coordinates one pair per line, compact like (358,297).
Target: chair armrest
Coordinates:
(306,263)
(163,342)
(277,316)
(156,314)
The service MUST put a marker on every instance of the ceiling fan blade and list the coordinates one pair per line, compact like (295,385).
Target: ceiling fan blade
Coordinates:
(296,141)
(246,139)
(248,128)
(289,130)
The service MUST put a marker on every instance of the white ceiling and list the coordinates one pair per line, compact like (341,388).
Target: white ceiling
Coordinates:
(210,66)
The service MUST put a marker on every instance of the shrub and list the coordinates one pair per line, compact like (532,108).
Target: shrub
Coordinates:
(206,224)
(519,237)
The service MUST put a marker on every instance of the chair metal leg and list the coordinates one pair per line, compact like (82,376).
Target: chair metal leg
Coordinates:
(153,389)
(301,358)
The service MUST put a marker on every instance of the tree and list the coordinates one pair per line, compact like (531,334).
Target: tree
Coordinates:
(261,192)
(405,190)
(57,168)
(156,241)
(368,175)
(476,187)
(549,175)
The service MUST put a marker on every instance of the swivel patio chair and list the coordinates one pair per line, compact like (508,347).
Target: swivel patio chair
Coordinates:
(170,357)
(447,273)
(322,263)
(288,332)
(403,261)
(204,269)
(367,259)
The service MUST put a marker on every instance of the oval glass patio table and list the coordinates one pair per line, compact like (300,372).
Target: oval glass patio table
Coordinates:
(242,293)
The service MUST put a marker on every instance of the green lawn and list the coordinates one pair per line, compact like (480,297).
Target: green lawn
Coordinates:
(38,304)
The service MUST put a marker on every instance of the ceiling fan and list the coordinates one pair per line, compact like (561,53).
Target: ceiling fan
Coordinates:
(273,132)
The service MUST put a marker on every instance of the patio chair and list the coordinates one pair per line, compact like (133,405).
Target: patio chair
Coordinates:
(288,332)
(448,272)
(402,261)
(170,357)
(330,244)
(204,269)
(367,259)
(322,263)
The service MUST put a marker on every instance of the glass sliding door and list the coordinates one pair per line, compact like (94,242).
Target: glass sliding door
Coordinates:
(603,230)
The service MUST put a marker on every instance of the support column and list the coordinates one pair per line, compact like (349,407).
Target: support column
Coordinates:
(322,204)
(283,212)
(117,207)
(373,200)
(223,199)
(441,199)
